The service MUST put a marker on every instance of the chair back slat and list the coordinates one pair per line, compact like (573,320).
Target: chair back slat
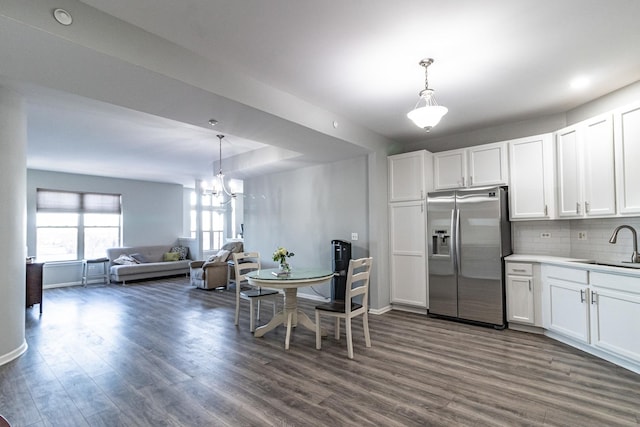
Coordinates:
(245,262)
(358,282)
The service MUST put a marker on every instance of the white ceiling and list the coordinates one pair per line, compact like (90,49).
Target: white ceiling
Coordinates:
(496,62)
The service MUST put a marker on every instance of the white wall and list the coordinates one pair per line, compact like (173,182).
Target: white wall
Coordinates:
(304,210)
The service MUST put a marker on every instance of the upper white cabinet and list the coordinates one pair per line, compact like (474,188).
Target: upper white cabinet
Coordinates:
(407,177)
(478,166)
(531,194)
(585,169)
(449,169)
(627,144)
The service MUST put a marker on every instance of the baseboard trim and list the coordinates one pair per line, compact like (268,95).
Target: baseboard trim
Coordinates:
(6,358)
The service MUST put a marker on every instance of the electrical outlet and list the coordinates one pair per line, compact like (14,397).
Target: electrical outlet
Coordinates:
(354,236)
(545,235)
(582,235)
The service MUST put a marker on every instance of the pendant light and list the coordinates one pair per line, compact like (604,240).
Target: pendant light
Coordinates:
(428,115)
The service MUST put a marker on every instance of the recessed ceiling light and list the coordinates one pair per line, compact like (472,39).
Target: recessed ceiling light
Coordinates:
(62,16)
(213,122)
(579,82)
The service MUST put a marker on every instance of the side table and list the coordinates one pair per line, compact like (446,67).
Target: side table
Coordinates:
(95,269)
(34,284)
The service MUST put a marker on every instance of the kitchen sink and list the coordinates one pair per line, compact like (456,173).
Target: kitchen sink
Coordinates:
(622,264)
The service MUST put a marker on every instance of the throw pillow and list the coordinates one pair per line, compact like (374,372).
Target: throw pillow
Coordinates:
(139,258)
(124,260)
(182,250)
(171,256)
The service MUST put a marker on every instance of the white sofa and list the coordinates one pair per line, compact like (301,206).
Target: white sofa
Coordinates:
(152,266)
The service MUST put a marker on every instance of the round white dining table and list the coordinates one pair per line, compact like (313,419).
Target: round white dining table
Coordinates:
(290,315)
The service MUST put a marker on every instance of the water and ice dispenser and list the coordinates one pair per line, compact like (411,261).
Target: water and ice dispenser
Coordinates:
(441,241)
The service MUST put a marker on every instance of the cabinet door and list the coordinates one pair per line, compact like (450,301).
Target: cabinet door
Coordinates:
(488,165)
(407,224)
(568,309)
(615,317)
(449,169)
(520,299)
(627,145)
(599,172)
(531,178)
(407,176)
(569,172)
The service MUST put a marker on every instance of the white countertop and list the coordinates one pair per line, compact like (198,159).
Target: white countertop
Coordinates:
(579,263)
(541,258)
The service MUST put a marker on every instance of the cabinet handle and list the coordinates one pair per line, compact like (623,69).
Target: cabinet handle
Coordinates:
(581,295)
(519,270)
(470,181)
(545,210)
(463,181)
(578,208)
(529,284)
(587,208)
(421,207)
(594,298)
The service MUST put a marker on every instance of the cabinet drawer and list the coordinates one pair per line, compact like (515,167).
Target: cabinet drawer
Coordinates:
(569,274)
(519,269)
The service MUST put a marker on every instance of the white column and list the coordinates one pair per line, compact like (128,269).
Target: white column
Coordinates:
(13,214)
(199,218)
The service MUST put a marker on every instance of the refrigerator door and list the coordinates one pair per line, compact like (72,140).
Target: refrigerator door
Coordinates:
(443,292)
(479,255)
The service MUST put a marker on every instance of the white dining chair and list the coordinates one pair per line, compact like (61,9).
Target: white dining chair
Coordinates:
(357,284)
(245,262)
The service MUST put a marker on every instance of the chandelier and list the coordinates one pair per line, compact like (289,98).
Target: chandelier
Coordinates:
(218,186)
(429,115)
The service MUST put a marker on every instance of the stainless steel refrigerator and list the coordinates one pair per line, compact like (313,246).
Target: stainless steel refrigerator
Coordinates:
(470,235)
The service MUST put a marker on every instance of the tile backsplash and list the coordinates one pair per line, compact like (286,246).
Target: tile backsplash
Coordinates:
(562,238)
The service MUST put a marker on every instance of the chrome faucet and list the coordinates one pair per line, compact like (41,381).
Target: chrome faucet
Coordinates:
(614,238)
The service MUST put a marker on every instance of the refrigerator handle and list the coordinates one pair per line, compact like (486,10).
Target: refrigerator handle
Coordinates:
(453,240)
(458,242)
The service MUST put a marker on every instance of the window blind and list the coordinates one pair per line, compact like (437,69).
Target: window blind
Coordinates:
(68,201)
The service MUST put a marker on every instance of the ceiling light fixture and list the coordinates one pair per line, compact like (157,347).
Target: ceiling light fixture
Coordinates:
(218,187)
(62,16)
(429,115)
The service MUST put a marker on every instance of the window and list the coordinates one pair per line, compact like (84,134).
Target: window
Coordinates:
(213,214)
(71,226)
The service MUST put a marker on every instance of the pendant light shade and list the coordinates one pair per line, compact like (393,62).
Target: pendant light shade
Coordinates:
(429,114)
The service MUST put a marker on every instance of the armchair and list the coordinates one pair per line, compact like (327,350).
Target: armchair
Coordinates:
(213,273)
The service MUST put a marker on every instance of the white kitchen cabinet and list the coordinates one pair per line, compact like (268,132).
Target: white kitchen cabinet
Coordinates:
(449,169)
(566,299)
(520,293)
(627,154)
(478,166)
(531,177)
(488,165)
(410,179)
(585,169)
(407,176)
(408,250)
(615,314)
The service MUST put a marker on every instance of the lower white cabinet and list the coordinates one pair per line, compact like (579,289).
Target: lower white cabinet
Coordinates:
(521,292)
(567,305)
(408,250)
(599,312)
(615,314)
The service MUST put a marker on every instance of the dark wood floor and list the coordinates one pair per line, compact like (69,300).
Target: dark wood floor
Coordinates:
(164,354)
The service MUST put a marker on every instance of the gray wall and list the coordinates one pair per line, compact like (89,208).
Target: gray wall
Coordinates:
(152,213)
(304,210)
